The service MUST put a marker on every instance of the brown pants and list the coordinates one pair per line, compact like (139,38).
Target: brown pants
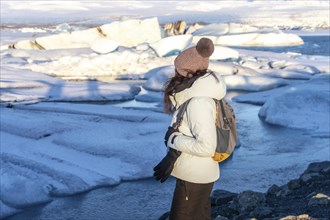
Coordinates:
(191,201)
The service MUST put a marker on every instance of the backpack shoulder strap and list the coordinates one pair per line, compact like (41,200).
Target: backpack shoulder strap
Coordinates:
(179,116)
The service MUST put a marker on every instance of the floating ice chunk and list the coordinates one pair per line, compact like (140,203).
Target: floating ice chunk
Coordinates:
(65,27)
(104,45)
(222,53)
(304,106)
(302,68)
(171,45)
(6,210)
(219,29)
(225,68)
(159,77)
(286,74)
(212,29)
(270,39)
(32,30)
(150,97)
(258,98)
(252,83)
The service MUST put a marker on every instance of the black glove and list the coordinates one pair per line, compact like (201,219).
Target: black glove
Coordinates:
(165,166)
(170,131)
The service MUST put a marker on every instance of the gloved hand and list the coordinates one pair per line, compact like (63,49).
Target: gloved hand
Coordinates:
(165,166)
(170,131)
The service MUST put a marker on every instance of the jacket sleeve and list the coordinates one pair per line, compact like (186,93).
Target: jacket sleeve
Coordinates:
(201,121)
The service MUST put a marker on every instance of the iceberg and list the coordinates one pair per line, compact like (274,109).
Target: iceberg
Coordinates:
(127,33)
(171,45)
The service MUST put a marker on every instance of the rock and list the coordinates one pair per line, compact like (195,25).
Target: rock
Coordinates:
(219,217)
(165,216)
(307,176)
(175,28)
(306,198)
(220,197)
(193,28)
(294,184)
(326,171)
(273,189)
(318,167)
(261,212)
(284,191)
(249,200)
(299,217)
(319,199)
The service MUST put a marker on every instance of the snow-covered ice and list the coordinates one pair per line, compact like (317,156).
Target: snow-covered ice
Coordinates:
(305,106)
(252,83)
(73,148)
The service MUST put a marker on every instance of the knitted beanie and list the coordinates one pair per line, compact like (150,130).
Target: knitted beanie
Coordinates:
(195,58)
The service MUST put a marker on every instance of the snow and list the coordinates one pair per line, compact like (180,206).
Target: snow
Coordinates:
(304,106)
(6,210)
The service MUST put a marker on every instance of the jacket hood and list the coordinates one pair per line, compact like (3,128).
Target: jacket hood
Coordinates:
(205,86)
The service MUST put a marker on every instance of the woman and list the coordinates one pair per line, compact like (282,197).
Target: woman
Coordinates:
(192,146)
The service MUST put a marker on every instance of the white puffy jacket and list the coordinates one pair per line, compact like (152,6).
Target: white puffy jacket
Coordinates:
(197,138)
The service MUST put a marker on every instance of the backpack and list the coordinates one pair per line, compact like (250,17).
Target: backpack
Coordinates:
(227,137)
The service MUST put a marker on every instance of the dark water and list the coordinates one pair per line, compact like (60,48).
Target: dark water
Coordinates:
(313,45)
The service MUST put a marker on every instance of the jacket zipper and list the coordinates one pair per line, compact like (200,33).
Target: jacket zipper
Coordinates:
(185,189)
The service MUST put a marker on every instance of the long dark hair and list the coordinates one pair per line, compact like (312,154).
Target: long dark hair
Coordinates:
(178,83)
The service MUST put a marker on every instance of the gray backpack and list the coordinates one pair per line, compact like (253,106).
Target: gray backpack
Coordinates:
(225,125)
